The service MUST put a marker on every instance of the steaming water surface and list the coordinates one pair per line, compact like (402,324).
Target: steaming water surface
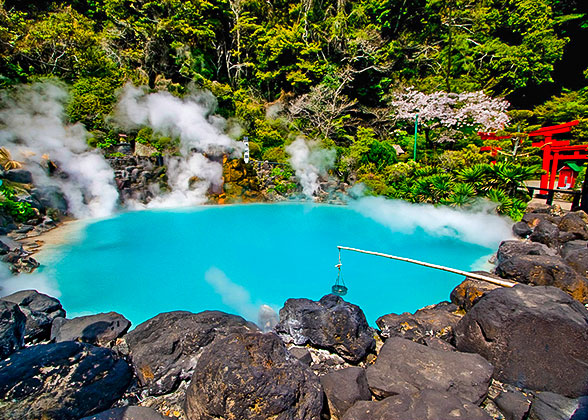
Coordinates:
(235,258)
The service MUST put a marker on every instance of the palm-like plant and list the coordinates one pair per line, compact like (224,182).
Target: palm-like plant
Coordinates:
(476,176)
(512,176)
(6,161)
(441,185)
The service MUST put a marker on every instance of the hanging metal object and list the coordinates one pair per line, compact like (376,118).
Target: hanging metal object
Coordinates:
(339,287)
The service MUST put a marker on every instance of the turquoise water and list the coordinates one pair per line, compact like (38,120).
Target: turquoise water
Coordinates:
(235,258)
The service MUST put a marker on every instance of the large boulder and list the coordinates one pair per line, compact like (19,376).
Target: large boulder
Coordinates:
(513,405)
(536,338)
(20,176)
(575,253)
(546,233)
(550,406)
(99,329)
(511,248)
(470,291)
(61,381)
(128,413)
(521,229)
(575,223)
(12,328)
(343,388)
(164,350)
(40,310)
(331,323)
(252,376)
(432,321)
(428,404)
(542,270)
(406,367)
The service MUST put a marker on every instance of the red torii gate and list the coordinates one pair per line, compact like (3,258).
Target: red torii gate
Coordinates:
(553,150)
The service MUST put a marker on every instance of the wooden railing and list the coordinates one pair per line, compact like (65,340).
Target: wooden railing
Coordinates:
(577,195)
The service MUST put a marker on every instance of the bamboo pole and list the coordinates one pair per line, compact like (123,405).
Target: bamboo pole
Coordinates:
(504,283)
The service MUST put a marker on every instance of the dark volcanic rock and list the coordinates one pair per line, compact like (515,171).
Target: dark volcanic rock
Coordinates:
(470,291)
(12,328)
(252,376)
(4,249)
(331,323)
(521,229)
(405,367)
(40,311)
(435,320)
(19,175)
(128,413)
(164,349)
(575,223)
(544,270)
(425,405)
(100,329)
(546,233)
(514,405)
(536,338)
(61,381)
(575,253)
(509,249)
(302,354)
(550,406)
(343,388)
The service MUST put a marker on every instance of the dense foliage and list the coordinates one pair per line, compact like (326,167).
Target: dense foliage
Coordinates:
(352,75)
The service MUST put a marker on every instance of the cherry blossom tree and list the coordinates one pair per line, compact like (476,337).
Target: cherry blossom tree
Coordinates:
(455,111)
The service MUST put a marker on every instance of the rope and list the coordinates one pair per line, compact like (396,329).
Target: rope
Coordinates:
(504,283)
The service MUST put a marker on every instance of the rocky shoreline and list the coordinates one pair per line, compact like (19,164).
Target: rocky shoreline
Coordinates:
(491,353)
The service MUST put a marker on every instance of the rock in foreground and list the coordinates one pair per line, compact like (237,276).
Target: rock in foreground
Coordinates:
(40,311)
(99,329)
(331,323)
(165,348)
(61,381)
(12,328)
(252,376)
(536,338)
(425,405)
(406,367)
(343,388)
(128,413)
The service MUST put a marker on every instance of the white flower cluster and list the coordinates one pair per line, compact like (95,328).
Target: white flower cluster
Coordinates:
(457,110)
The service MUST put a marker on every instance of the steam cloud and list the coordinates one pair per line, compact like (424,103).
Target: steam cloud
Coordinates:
(476,227)
(238,298)
(200,133)
(10,284)
(34,129)
(309,162)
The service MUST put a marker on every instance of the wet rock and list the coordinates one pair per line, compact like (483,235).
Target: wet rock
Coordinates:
(550,406)
(575,253)
(406,367)
(470,291)
(40,310)
(343,388)
(50,197)
(514,405)
(128,413)
(164,350)
(509,249)
(575,223)
(542,270)
(435,320)
(61,381)
(536,338)
(425,405)
(101,329)
(20,176)
(331,323)
(302,354)
(4,249)
(533,218)
(546,233)
(12,328)
(521,229)
(252,376)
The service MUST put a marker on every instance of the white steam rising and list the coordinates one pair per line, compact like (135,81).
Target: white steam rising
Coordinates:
(34,130)
(36,281)
(476,227)
(201,136)
(309,161)
(238,298)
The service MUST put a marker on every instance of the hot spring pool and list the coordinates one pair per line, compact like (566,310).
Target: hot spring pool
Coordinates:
(236,258)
